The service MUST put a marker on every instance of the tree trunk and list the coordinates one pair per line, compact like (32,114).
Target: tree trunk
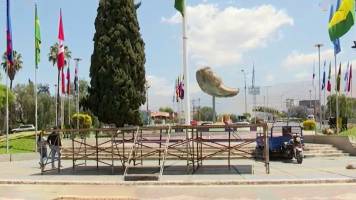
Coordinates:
(10,85)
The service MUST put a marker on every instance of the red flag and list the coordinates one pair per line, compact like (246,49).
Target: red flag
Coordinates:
(68,81)
(350,77)
(63,82)
(60,56)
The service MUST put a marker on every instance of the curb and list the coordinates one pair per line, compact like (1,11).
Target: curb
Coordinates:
(181,183)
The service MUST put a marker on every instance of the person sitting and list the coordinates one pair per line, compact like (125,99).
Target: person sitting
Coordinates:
(54,141)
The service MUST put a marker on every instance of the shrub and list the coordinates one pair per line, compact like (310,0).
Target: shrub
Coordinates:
(85,120)
(309,125)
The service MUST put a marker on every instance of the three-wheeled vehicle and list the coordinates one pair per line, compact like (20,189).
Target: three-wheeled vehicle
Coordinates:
(285,140)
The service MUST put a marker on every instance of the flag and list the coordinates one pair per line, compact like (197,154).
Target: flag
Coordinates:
(350,79)
(177,89)
(328,87)
(342,20)
(63,82)
(181,89)
(313,72)
(324,78)
(338,79)
(68,81)
(76,79)
(336,42)
(60,56)
(346,77)
(180,6)
(9,49)
(37,38)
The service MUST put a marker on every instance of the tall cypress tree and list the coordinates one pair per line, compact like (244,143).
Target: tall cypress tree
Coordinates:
(117,86)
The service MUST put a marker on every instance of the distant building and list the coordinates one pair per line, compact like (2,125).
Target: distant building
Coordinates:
(310,104)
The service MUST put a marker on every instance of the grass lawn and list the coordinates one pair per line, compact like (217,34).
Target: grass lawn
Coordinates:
(20,145)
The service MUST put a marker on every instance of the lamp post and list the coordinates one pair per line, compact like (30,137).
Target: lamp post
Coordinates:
(320,116)
(243,71)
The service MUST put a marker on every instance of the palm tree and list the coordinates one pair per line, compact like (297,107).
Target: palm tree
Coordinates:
(52,57)
(14,68)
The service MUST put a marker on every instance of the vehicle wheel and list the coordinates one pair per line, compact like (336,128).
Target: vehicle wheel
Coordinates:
(299,157)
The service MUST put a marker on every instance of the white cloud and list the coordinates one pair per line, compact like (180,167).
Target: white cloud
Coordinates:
(220,37)
(160,86)
(297,60)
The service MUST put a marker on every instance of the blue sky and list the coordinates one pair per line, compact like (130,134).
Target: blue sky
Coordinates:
(228,35)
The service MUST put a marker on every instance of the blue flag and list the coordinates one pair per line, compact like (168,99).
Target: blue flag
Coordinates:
(324,78)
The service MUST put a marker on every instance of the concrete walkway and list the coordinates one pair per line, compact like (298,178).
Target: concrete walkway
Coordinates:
(313,170)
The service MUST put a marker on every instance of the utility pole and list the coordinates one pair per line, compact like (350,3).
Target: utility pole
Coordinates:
(320,115)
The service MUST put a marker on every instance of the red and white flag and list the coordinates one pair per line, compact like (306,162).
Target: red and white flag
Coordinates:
(60,56)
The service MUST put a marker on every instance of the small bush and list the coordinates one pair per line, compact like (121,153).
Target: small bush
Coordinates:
(85,120)
(309,125)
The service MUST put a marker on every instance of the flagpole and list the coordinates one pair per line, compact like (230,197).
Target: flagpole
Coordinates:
(185,69)
(36,107)
(7,109)
(320,114)
(337,96)
(77,60)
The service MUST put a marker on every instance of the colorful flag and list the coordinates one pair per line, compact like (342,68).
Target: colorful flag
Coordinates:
(177,89)
(328,87)
(9,49)
(342,20)
(60,56)
(338,79)
(350,79)
(37,39)
(181,89)
(336,42)
(68,81)
(76,79)
(180,6)
(63,81)
(324,78)
(346,77)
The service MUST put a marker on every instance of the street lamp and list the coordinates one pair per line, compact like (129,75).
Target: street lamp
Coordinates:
(243,71)
(320,117)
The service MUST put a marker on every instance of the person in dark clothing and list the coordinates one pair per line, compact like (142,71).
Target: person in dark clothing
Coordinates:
(54,141)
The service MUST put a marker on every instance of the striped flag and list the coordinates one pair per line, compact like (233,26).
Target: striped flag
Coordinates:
(346,78)
(9,49)
(37,38)
(350,79)
(60,56)
(328,87)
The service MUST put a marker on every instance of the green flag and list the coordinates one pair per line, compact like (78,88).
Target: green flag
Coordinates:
(179,5)
(37,38)
(342,20)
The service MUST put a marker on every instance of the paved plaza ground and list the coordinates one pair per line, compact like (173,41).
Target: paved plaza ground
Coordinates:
(323,178)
